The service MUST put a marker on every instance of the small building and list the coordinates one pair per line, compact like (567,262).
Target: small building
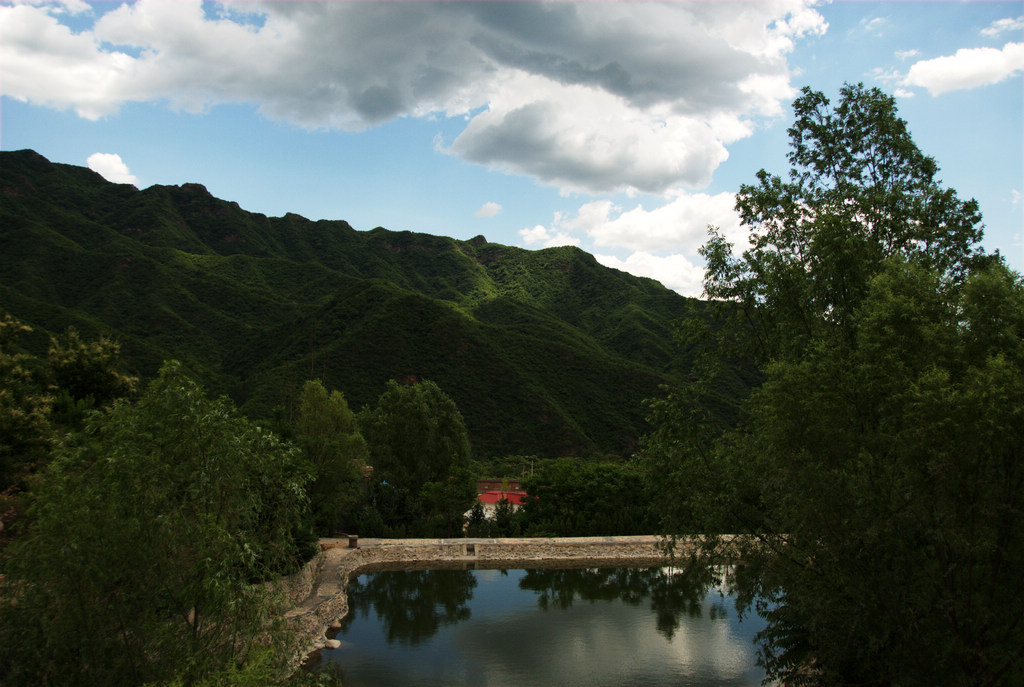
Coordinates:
(490,500)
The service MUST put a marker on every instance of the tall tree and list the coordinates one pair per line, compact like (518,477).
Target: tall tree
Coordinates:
(448,501)
(877,471)
(149,535)
(327,432)
(416,435)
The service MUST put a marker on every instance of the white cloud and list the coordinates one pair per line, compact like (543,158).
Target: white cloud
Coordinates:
(661,243)
(594,97)
(968,68)
(677,272)
(547,238)
(111,167)
(582,139)
(488,209)
(679,226)
(887,75)
(1001,26)
(875,25)
(904,55)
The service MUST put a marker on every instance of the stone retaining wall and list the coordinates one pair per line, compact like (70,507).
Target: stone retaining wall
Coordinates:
(327,603)
(478,550)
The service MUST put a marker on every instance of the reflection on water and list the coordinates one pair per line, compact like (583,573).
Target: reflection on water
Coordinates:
(591,626)
(672,593)
(411,604)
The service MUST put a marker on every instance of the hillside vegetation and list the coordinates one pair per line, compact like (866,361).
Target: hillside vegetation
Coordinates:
(545,352)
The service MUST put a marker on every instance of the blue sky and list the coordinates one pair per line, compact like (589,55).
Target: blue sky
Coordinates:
(620,127)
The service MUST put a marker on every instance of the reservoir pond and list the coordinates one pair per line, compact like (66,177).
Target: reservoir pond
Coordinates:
(562,626)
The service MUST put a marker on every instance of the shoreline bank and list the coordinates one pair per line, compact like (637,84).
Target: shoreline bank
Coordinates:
(320,589)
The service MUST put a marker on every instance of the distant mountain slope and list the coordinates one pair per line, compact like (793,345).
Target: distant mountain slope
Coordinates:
(545,352)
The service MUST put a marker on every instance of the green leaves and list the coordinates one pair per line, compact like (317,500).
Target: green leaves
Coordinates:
(149,534)
(877,470)
(416,435)
(859,193)
(573,497)
(88,368)
(327,432)
(25,403)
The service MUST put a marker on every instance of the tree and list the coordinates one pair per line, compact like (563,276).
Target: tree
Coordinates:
(88,369)
(505,522)
(477,525)
(151,535)
(327,432)
(571,497)
(39,396)
(25,403)
(876,472)
(416,435)
(42,397)
(448,501)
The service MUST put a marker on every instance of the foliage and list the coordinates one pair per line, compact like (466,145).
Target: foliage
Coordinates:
(388,512)
(25,404)
(88,369)
(447,500)
(419,450)
(40,396)
(506,523)
(569,497)
(151,535)
(877,469)
(416,435)
(475,519)
(502,468)
(262,669)
(327,432)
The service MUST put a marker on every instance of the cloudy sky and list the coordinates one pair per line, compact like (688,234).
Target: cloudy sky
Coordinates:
(622,127)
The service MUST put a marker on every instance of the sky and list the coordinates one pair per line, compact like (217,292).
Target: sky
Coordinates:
(624,128)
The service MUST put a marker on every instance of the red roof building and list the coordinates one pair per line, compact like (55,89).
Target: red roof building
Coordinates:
(493,496)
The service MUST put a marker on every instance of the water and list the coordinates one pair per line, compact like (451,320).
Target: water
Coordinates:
(595,626)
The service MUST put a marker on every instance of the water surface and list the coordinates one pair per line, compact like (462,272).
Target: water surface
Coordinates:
(595,626)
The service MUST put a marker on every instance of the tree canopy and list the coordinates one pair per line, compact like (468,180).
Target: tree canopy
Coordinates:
(330,438)
(150,537)
(877,471)
(416,435)
(25,404)
(574,497)
(419,449)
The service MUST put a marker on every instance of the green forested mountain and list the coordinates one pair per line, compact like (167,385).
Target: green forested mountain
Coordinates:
(545,352)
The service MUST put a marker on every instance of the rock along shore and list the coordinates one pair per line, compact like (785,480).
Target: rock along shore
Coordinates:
(320,589)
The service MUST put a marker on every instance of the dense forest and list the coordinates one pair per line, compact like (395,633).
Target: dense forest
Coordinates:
(545,352)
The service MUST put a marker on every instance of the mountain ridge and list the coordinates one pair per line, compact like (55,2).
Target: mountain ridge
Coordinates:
(545,352)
